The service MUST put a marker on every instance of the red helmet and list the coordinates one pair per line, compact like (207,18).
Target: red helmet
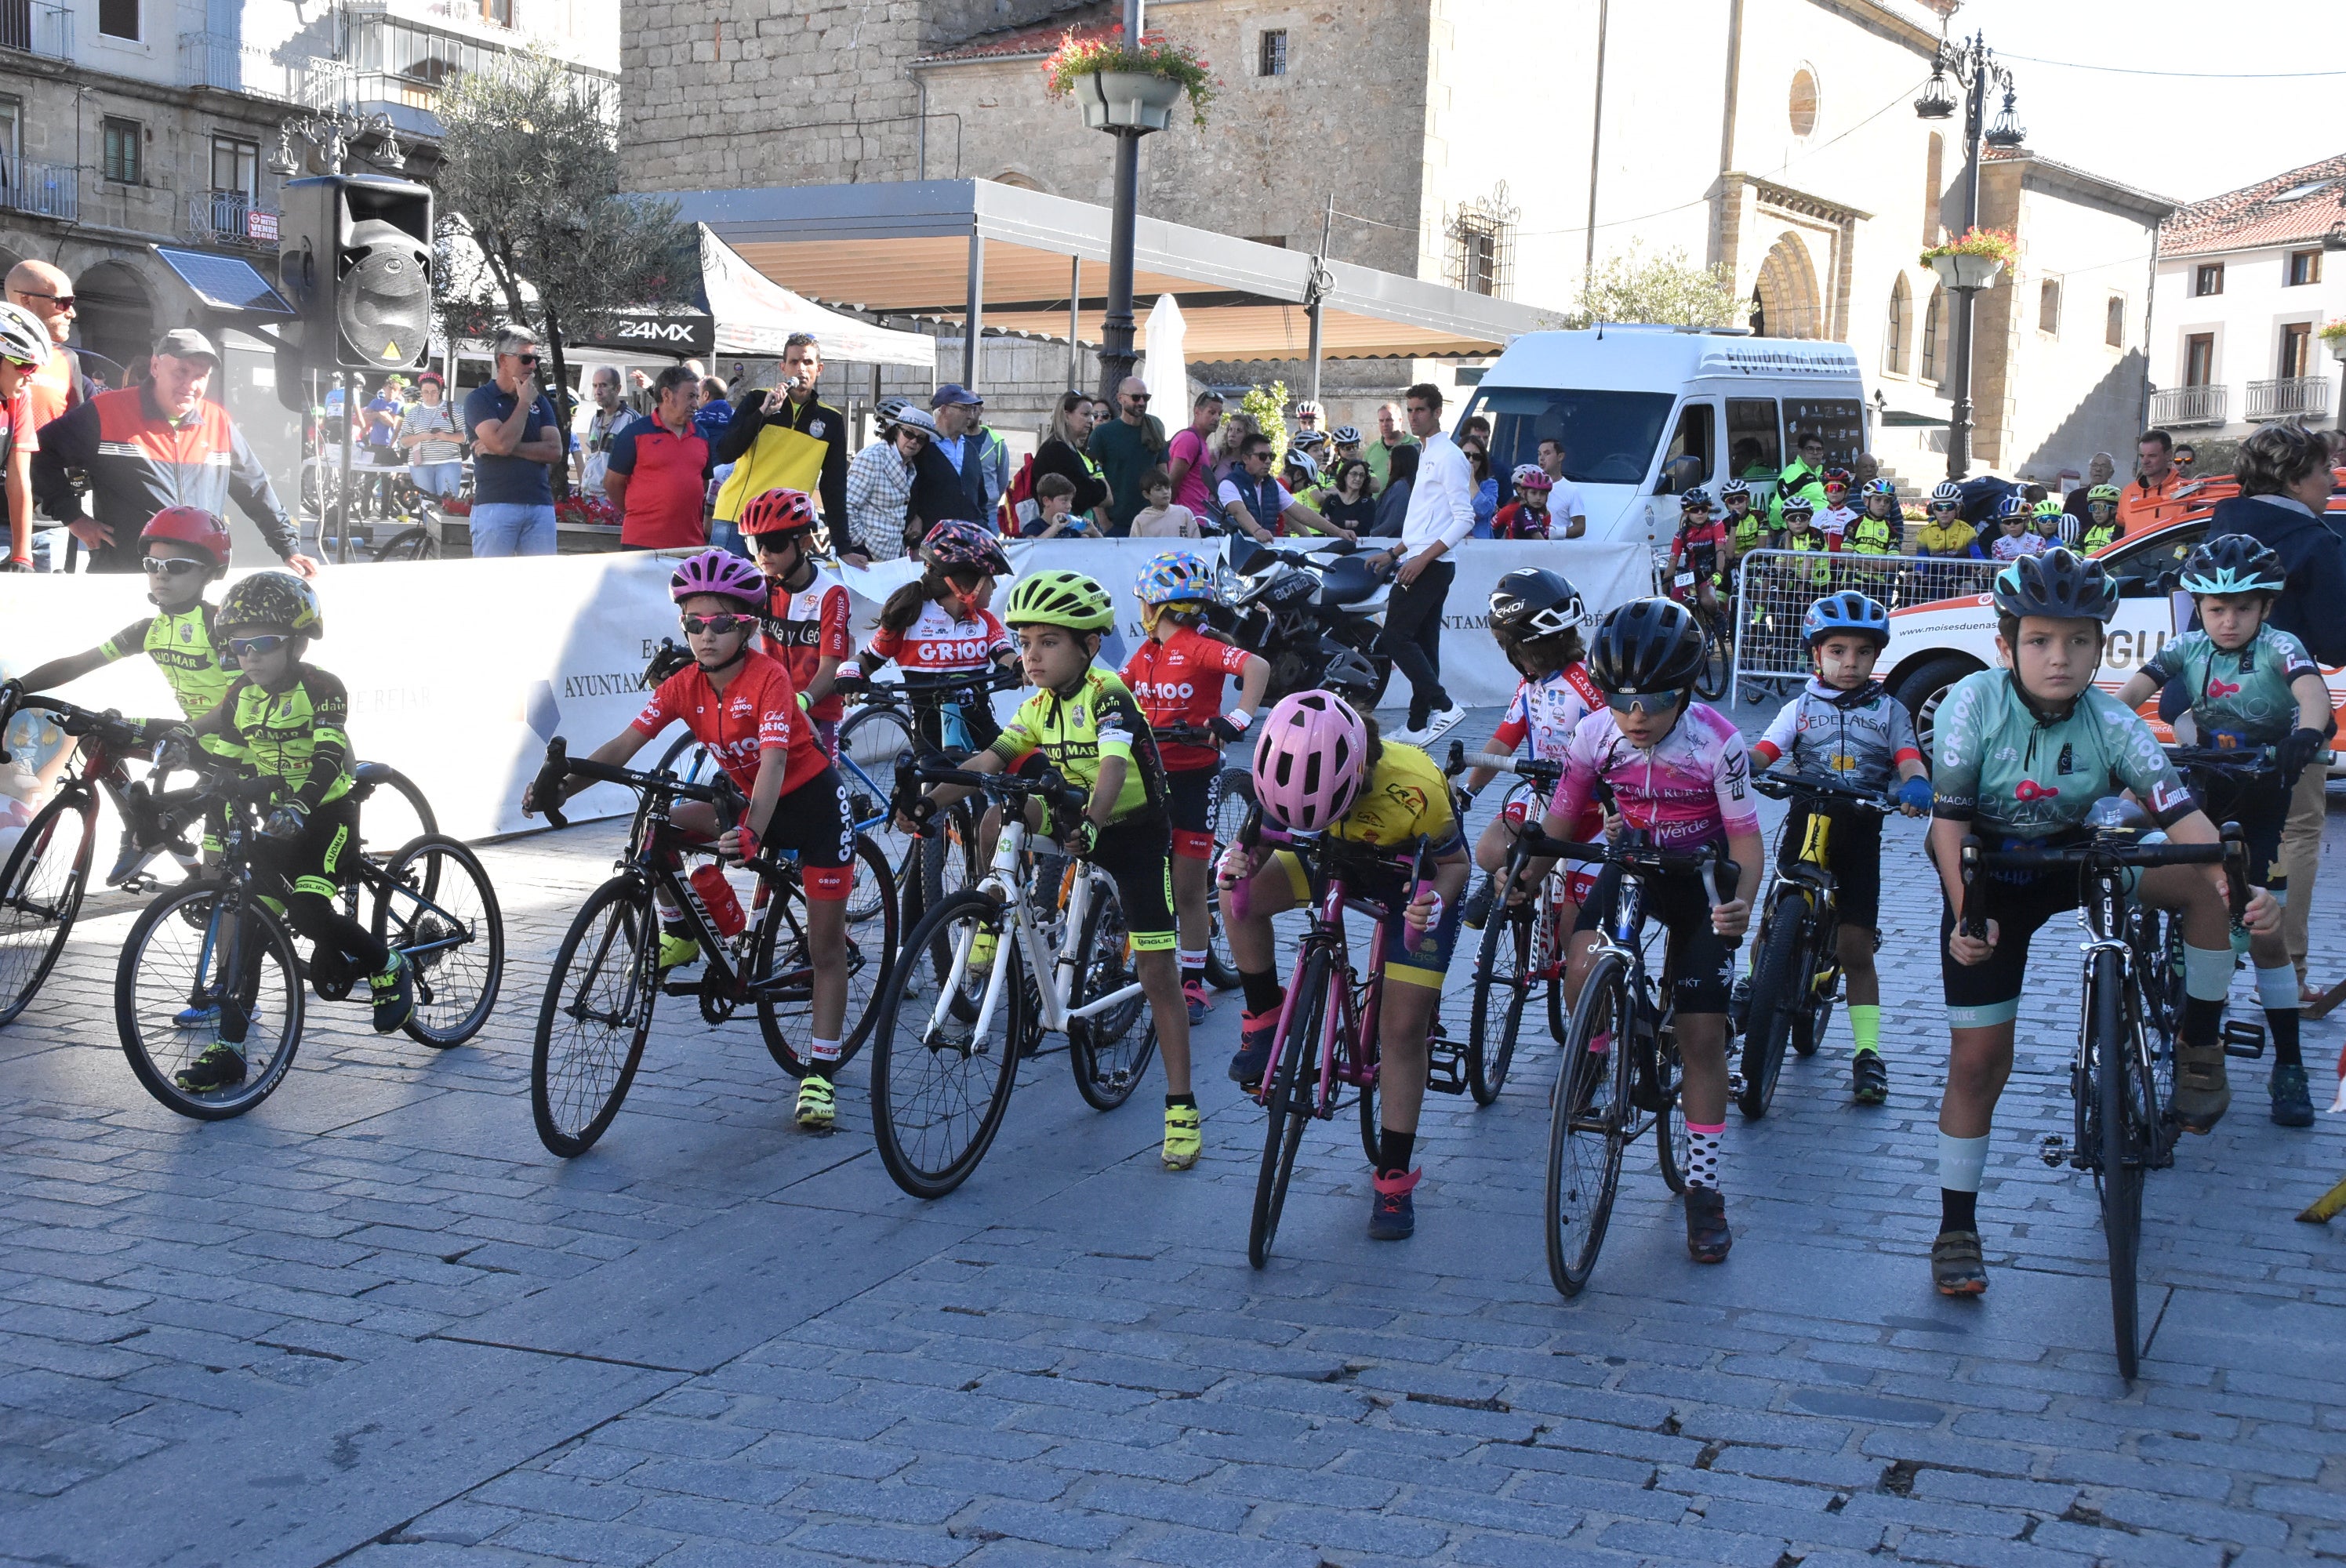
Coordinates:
(1840,476)
(778,512)
(952,544)
(192,527)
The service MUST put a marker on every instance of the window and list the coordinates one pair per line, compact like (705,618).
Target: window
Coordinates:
(2048,306)
(1803,106)
(120,152)
(1608,437)
(1271,59)
(1478,261)
(2207,278)
(1935,166)
(2199,360)
(2296,349)
(2114,322)
(1481,236)
(236,167)
(2304,267)
(12,125)
(1755,446)
(119,19)
(1934,322)
(1893,331)
(1841,421)
(1687,463)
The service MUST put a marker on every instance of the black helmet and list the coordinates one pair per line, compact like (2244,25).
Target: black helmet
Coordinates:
(2060,584)
(1646,647)
(1533,602)
(2232,563)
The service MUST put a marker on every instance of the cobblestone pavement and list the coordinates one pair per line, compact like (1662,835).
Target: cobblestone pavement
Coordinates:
(375,1322)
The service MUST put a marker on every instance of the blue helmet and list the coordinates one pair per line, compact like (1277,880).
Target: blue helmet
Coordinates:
(2013,507)
(1841,613)
(1177,577)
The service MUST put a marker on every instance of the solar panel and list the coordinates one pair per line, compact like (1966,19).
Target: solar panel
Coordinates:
(225,282)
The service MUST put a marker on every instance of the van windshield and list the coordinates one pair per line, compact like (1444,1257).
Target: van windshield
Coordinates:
(1609,437)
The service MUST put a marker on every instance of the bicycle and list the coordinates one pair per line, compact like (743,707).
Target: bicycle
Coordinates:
(1796,973)
(1229,797)
(1621,1071)
(216,946)
(1523,946)
(2121,1123)
(596,1012)
(1717,623)
(941,1081)
(1329,1032)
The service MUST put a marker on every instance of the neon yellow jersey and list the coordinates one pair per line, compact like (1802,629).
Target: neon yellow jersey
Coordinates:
(296,736)
(1073,733)
(1406,795)
(181,647)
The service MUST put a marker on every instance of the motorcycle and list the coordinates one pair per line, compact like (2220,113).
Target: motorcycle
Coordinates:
(1314,614)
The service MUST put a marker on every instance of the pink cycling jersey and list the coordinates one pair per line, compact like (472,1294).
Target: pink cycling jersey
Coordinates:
(1691,789)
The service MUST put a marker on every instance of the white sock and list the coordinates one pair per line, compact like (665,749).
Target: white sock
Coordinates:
(1961,1163)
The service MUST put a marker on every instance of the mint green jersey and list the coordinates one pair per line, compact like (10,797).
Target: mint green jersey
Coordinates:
(2243,693)
(1999,764)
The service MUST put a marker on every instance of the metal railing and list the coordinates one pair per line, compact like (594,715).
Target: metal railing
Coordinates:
(37,27)
(226,216)
(47,190)
(2173,406)
(218,60)
(1774,589)
(2306,397)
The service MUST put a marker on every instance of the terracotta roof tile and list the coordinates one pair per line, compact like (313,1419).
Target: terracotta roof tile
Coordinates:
(2303,205)
(1033,42)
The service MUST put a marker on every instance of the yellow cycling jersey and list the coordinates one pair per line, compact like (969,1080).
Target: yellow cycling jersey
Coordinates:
(1406,795)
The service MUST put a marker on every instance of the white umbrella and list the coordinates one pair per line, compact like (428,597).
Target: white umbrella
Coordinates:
(1165,368)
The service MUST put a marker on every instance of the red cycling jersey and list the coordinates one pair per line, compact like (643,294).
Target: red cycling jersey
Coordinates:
(939,643)
(758,713)
(1517,520)
(806,628)
(1179,681)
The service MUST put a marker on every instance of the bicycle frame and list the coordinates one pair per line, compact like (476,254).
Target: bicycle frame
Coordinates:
(1349,1047)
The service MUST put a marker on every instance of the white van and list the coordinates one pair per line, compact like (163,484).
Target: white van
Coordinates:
(1650,412)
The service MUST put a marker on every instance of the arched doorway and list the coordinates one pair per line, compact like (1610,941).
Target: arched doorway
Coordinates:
(117,318)
(1787,303)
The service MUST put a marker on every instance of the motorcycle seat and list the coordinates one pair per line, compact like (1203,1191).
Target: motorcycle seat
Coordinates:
(1349,581)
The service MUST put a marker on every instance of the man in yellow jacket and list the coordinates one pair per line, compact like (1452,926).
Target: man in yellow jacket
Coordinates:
(782,438)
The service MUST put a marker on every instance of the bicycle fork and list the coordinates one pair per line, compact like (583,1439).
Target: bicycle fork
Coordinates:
(2053,1148)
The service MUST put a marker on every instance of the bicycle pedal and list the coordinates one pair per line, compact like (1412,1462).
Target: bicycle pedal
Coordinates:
(2245,1038)
(1446,1066)
(2052,1149)
(138,885)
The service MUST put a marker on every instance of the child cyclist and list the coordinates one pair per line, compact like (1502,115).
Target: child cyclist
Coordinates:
(938,626)
(1086,724)
(2249,686)
(1679,772)
(739,703)
(806,619)
(2022,753)
(1535,619)
(1527,516)
(1946,536)
(2015,533)
(1844,725)
(1702,546)
(287,718)
(1177,677)
(1320,770)
(2102,528)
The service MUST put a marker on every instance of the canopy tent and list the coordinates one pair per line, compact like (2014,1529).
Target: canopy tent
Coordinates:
(1019,260)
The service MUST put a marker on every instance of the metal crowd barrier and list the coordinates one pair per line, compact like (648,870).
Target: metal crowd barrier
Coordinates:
(1774,589)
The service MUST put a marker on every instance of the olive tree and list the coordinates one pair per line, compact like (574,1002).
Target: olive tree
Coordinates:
(1667,290)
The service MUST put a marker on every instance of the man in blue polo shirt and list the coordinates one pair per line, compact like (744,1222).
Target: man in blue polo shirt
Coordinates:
(516,440)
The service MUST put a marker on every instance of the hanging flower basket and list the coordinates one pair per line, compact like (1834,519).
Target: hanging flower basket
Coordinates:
(1122,86)
(1974,260)
(2334,335)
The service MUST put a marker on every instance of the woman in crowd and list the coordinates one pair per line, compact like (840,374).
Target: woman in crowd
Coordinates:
(1062,452)
(1392,502)
(1346,502)
(427,431)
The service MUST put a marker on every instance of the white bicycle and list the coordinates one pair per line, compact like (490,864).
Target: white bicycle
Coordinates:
(1053,956)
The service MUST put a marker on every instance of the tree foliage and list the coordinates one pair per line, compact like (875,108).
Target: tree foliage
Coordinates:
(1268,407)
(1667,290)
(532,228)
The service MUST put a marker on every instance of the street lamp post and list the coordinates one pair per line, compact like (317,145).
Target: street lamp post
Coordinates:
(1115,355)
(1973,65)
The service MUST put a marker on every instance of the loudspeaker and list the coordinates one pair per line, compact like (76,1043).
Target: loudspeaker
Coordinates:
(354,257)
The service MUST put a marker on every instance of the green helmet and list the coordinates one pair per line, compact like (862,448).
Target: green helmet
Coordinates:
(2049,507)
(1055,598)
(2109,492)
(271,599)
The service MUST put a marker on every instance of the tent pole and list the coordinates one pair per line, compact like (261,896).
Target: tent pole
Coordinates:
(973,318)
(1075,320)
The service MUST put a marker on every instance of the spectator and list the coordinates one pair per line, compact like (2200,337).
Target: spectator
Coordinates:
(1865,468)
(941,492)
(1055,516)
(1347,503)
(47,293)
(427,430)
(1188,459)
(2155,495)
(1563,502)
(1062,452)
(2187,461)
(1258,505)
(658,472)
(714,414)
(516,440)
(784,439)
(379,437)
(24,350)
(880,486)
(956,411)
(1392,502)
(1127,449)
(1345,443)
(611,416)
(1479,428)
(2283,504)
(1486,483)
(1391,438)
(1441,517)
(2102,470)
(1163,517)
(993,456)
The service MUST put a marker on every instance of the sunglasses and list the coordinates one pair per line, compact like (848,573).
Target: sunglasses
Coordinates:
(157,567)
(1137,397)
(63,301)
(1946,506)
(240,646)
(1651,703)
(525,359)
(698,625)
(771,544)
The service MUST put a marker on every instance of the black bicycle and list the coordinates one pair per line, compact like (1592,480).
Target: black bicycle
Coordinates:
(1523,936)
(606,979)
(2122,1125)
(1228,797)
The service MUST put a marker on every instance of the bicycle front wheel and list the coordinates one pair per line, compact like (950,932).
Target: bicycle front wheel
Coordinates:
(1779,987)
(940,1085)
(1718,656)
(786,992)
(869,742)
(597,1013)
(190,970)
(1110,1050)
(2122,1144)
(440,910)
(40,895)
(1588,1126)
(1292,1079)
(1673,1145)
(1503,984)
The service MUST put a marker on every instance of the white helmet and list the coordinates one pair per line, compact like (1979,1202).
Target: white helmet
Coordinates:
(1311,408)
(23,337)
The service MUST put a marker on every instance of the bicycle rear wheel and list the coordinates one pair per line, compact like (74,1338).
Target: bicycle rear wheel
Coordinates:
(1502,985)
(1673,1145)
(455,937)
(786,999)
(1589,1127)
(41,888)
(596,1012)
(1110,1050)
(1293,1081)
(1718,653)
(939,1087)
(185,954)
(1779,987)
(2122,1144)
(869,741)
(1226,806)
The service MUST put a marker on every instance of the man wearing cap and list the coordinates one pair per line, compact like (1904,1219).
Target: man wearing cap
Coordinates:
(160,443)
(948,482)
(783,438)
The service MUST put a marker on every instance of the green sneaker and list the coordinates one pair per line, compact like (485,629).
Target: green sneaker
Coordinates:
(1184,1140)
(222,1066)
(394,994)
(676,951)
(816,1106)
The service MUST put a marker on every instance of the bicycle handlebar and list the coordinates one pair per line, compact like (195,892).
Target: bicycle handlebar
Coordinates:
(2231,852)
(1531,768)
(1778,786)
(2249,760)
(560,765)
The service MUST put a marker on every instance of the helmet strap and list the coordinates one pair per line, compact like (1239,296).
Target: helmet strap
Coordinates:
(2043,712)
(800,576)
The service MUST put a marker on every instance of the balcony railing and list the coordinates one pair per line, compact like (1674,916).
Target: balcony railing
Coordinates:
(2306,397)
(2175,407)
(47,190)
(230,218)
(37,27)
(217,60)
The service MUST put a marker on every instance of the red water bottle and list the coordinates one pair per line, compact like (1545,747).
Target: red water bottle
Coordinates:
(716,898)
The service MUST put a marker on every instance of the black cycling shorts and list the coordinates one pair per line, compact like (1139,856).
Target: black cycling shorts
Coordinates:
(815,822)
(1853,856)
(1138,855)
(1188,803)
(317,863)
(1701,962)
(2019,902)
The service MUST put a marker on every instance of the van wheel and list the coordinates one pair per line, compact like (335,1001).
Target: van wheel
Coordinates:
(1926,688)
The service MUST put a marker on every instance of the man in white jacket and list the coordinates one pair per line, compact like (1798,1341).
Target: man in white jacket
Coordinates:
(1440,514)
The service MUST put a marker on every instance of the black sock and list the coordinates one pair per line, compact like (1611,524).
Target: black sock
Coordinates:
(2280,1022)
(2202,1021)
(1174,1102)
(1393,1152)
(1958,1210)
(1263,992)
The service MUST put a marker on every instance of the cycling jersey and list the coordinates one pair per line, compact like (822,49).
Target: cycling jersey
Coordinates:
(1749,532)
(2029,777)
(1547,711)
(1074,733)
(2099,537)
(295,735)
(1871,536)
(1834,523)
(1517,520)
(1691,789)
(2011,547)
(1958,539)
(182,648)
(803,628)
(939,642)
(1861,738)
(1806,542)
(757,713)
(1699,547)
(1405,796)
(1179,681)
(2243,693)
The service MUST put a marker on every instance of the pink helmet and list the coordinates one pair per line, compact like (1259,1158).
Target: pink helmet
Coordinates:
(723,572)
(1312,761)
